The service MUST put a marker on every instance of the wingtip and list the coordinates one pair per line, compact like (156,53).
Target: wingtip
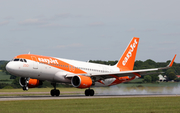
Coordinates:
(171,63)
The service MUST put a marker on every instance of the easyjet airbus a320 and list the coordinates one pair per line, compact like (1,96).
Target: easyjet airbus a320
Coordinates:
(34,69)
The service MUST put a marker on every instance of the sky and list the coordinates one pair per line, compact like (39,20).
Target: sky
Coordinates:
(90,29)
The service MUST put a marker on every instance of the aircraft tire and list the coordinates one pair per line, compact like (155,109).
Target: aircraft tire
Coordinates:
(91,92)
(87,92)
(57,93)
(25,88)
(53,92)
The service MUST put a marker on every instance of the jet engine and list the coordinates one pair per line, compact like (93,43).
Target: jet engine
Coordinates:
(29,83)
(80,81)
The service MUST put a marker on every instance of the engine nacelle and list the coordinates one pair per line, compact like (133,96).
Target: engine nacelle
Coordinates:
(29,83)
(80,81)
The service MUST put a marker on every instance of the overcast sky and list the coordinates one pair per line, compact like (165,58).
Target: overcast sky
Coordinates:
(90,29)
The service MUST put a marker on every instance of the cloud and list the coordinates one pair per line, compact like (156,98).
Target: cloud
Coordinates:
(52,25)
(9,17)
(4,23)
(137,30)
(167,49)
(149,30)
(61,16)
(171,34)
(96,24)
(132,30)
(167,42)
(69,46)
(32,22)
(18,29)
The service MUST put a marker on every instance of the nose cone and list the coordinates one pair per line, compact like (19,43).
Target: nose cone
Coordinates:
(10,67)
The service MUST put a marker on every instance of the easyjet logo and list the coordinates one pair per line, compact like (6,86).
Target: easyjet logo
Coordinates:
(129,54)
(48,60)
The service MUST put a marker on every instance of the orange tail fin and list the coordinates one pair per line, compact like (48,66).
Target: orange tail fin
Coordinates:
(127,60)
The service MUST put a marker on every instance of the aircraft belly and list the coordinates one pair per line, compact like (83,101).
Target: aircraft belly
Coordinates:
(104,83)
(60,77)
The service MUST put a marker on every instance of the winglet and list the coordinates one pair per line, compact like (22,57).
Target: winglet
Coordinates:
(171,63)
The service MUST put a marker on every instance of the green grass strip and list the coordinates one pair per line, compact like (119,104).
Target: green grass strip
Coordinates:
(107,105)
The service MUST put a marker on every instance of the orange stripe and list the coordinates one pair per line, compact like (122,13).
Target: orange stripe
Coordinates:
(54,62)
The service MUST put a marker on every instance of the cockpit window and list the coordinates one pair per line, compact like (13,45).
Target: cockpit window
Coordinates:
(21,60)
(16,59)
(25,60)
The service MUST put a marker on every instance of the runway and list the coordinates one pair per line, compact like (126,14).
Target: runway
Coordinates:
(45,97)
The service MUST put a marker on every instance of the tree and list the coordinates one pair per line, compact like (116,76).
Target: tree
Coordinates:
(12,77)
(3,67)
(154,78)
(147,78)
(172,76)
(15,83)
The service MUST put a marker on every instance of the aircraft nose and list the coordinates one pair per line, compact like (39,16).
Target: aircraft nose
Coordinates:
(10,67)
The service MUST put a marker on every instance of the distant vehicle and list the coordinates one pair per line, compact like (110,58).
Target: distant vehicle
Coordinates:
(34,69)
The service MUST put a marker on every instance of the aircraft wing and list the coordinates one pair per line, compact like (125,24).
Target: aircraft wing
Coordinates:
(134,72)
(128,73)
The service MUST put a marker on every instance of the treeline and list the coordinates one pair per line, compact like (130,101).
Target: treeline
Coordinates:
(3,66)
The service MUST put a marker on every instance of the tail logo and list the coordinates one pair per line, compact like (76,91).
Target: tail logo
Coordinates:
(129,54)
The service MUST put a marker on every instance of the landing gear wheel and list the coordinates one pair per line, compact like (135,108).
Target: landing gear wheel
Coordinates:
(25,88)
(89,92)
(55,92)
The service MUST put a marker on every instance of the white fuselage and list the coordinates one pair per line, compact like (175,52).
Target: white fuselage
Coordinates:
(55,72)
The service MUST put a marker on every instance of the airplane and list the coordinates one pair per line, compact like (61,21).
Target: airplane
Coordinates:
(34,69)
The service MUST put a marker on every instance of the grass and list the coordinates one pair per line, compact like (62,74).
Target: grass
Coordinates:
(108,105)
(3,76)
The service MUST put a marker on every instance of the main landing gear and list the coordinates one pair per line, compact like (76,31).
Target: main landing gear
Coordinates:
(54,92)
(89,92)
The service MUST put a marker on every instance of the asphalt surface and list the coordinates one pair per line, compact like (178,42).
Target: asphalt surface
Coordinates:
(46,97)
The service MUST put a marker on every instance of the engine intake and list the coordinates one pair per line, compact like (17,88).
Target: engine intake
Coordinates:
(80,81)
(29,83)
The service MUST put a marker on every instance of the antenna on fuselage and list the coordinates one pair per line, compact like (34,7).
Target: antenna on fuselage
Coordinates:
(29,52)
